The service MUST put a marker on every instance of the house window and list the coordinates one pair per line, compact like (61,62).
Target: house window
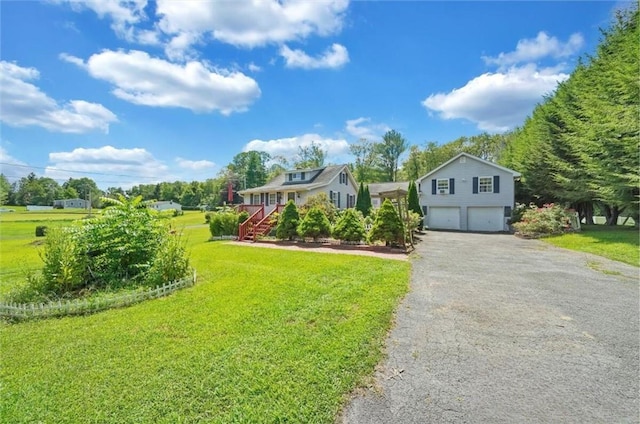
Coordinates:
(291,196)
(343,178)
(272,198)
(443,186)
(485,184)
(333,196)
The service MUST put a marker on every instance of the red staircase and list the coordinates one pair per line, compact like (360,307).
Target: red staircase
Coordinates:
(258,224)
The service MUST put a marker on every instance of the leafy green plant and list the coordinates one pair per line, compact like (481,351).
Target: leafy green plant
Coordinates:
(315,224)
(320,201)
(223,224)
(547,220)
(288,223)
(349,226)
(387,225)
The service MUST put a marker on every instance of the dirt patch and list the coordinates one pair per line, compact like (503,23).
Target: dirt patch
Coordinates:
(363,250)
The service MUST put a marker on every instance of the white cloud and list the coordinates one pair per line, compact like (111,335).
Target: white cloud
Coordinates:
(108,166)
(497,101)
(141,79)
(288,147)
(13,168)
(124,15)
(253,67)
(194,165)
(24,104)
(251,23)
(364,128)
(334,57)
(530,50)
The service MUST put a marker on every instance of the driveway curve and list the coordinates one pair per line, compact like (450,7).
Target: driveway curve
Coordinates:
(497,329)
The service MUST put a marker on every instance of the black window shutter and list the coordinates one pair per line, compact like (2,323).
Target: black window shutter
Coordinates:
(262,198)
(302,176)
(452,186)
(266,199)
(475,185)
(290,177)
(331,196)
(496,183)
(433,186)
(338,200)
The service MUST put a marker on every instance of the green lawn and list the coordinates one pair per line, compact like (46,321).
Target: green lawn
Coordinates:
(617,243)
(264,336)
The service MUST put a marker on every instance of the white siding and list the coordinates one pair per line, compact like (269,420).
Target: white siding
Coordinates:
(343,189)
(463,173)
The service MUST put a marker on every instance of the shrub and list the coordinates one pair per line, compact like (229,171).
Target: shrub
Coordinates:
(413,202)
(350,226)
(207,217)
(322,202)
(314,224)
(223,224)
(128,245)
(41,230)
(243,216)
(288,223)
(387,225)
(547,220)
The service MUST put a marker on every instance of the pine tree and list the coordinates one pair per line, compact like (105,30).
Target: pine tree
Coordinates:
(350,226)
(413,201)
(360,200)
(366,201)
(387,226)
(288,223)
(315,224)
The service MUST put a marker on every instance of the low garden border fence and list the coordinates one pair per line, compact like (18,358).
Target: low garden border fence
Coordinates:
(24,311)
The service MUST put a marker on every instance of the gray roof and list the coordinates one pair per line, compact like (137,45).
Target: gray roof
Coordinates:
(376,188)
(516,174)
(324,177)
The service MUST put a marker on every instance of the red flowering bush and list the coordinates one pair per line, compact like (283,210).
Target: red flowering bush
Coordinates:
(547,220)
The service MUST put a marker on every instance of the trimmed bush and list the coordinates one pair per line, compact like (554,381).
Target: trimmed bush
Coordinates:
(41,230)
(350,226)
(387,225)
(314,224)
(288,223)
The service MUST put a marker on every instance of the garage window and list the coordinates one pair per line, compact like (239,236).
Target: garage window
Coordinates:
(485,184)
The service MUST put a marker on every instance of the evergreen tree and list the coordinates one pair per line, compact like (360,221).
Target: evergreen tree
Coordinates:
(315,224)
(387,226)
(366,201)
(413,201)
(288,222)
(350,226)
(360,199)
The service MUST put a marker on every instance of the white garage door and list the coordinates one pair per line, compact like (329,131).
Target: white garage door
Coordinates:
(485,219)
(443,218)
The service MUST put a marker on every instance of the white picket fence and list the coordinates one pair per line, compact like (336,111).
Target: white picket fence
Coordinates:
(22,311)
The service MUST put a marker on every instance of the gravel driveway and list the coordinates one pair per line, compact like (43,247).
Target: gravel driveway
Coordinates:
(498,329)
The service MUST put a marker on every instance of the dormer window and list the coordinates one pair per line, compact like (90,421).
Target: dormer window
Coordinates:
(296,176)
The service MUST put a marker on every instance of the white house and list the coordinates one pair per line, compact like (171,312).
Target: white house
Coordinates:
(380,191)
(71,203)
(165,205)
(299,184)
(469,194)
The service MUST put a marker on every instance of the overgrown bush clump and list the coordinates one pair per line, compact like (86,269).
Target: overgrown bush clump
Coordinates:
(223,223)
(547,220)
(128,245)
(350,226)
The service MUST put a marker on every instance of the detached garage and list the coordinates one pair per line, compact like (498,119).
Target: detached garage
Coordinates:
(469,194)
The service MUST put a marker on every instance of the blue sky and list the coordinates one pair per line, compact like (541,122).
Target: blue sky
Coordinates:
(131,92)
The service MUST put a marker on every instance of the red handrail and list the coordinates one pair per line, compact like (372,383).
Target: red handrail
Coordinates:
(277,209)
(243,228)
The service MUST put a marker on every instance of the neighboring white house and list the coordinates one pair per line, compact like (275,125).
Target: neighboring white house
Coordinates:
(71,203)
(165,205)
(469,194)
(379,191)
(299,184)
